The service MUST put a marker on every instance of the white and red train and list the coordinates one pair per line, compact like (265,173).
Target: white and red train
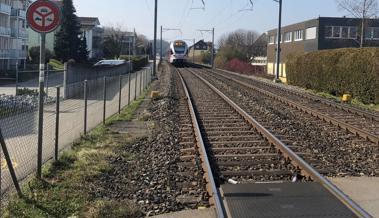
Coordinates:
(178,52)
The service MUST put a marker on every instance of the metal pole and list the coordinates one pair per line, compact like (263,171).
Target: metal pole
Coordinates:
(57,123)
(155,38)
(40,104)
(119,94)
(135,86)
(16,77)
(47,80)
(193,51)
(65,80)
(129,81)
(129,55)
(213,47)
(161,43)
(104,99)
(140,83)
(278,41)
(10,165)
(85,105)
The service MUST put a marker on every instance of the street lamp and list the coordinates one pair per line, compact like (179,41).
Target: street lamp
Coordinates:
(278,49)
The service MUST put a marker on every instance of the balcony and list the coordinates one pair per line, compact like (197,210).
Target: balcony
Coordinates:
(5,31)
(23,34)
(5,9)
(12,54)
(16,33)
(18,13)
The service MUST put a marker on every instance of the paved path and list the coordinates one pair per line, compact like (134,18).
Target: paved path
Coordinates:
(20,131)
(362,190)
(203,213)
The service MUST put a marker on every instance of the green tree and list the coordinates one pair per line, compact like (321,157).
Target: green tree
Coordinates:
(83,53)
(34,55)
(67,41)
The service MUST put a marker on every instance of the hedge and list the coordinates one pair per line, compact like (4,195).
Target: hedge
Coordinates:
(352,71)
(138,61)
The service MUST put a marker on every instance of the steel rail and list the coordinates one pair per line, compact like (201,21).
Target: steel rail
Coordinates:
(305,168)
(211,185)
(346,108)
(364,134)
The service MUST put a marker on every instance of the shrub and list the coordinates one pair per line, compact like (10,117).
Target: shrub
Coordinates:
(138,61)
(353,70)
(34,55)
(242,67)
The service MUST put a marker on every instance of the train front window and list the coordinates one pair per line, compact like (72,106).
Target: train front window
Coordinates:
(180,49)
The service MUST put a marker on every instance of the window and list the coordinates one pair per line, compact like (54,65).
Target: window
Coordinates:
(272,40)
(288,37)
(375,33)
(353,32)
(345,32)
(336,32)
(372,33)
(311,33)
(298,35)
(341,32)
(328,31)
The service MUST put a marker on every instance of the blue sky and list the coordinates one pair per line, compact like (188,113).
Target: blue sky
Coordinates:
(224,15)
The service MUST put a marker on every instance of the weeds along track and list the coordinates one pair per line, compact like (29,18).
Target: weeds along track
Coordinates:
(332,150)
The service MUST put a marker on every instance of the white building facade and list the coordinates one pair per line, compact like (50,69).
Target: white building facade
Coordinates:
(13,33)
(90,27)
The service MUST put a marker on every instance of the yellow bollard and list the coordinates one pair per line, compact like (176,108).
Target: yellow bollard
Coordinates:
(154,94)
(346,98)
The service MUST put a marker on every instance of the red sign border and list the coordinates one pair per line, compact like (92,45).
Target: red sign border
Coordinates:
(53,6)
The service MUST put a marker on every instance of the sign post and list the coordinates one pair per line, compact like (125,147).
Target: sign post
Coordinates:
(43,16)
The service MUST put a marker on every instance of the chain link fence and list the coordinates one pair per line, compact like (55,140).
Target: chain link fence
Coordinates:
(67,115)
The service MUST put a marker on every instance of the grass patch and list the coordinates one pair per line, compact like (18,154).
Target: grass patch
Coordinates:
(57,65)
(65,190)
(354,101)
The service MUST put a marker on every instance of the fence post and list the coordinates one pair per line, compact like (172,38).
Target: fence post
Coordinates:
(10,164)
(140,82)
(17,77)
(135,86)
(65,69)
(57,122)
(104,98)
(129,80)
(119,94)
(85,105)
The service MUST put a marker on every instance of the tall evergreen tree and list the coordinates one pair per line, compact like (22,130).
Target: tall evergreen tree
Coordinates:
(83,53)
(67,39)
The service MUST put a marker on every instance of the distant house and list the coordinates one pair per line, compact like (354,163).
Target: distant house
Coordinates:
(200,47)
(318,34)
(90,26)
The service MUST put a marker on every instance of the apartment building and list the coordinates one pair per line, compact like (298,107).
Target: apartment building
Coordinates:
(90,26)
(13,34)
(319,34)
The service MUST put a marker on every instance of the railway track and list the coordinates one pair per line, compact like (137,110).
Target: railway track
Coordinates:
(331,150)
(233,147)
(358,121)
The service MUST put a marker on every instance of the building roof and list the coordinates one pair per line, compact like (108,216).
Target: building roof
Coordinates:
(273,31)
(89,21)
